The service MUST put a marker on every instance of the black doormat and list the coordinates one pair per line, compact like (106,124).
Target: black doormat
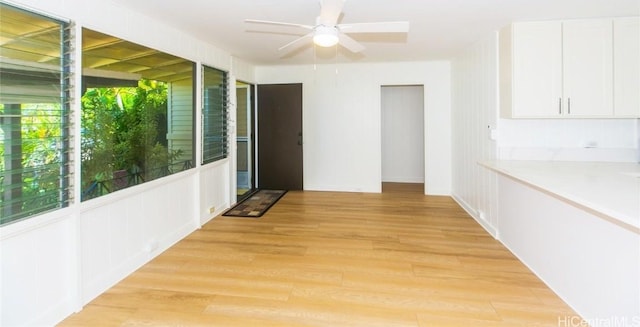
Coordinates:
(256,204)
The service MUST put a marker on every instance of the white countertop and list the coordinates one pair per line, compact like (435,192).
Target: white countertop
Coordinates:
(611,190)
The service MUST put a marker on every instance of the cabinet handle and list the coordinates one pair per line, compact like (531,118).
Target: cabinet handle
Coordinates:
(559,106)
(569,106)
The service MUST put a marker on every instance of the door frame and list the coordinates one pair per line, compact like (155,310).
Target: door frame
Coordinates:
(251,140)
(422,149)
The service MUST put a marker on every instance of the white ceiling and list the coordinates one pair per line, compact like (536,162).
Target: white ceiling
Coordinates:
(439,28)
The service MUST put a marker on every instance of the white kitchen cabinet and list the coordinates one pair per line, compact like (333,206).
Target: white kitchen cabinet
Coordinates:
(557,69)
(537,69)
(587,61)
(626,67)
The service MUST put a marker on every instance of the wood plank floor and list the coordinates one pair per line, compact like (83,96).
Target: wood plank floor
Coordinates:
(334,259)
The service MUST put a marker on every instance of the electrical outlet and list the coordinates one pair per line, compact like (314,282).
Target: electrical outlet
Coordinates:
(212,209)
(151,246)
(493,134)
(482,215)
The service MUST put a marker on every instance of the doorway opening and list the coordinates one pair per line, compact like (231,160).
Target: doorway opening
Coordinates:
(403,152)
(245,165)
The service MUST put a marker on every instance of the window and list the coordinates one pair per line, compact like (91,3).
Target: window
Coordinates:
(214,114)
(137,114)
(34,114)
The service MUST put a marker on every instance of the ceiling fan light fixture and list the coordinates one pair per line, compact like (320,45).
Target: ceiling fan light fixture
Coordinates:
(325,36)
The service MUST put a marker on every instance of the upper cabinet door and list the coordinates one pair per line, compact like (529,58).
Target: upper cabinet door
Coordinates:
(537,69)
(571,69)
(588,67)
(626,65)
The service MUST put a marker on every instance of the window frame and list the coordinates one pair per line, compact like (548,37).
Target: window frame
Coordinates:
(28,115)
(215,142)
(174,133)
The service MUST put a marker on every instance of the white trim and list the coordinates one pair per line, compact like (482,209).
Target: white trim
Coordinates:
(197,115)
(76,153)
(110,198)
(232,132)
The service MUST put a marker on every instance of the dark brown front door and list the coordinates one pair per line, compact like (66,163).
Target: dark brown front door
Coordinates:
(280,136)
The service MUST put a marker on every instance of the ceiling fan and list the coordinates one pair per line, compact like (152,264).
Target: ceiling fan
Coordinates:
(327,32)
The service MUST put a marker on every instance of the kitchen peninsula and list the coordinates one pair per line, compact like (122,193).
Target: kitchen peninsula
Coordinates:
(577,226)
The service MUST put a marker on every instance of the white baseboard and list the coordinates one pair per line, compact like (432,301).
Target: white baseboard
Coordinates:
(492,230)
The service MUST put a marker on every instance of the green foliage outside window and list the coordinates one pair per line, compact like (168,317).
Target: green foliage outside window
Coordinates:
(39,163)
(124,137)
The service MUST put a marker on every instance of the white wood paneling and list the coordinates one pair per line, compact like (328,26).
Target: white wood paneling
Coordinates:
(243,71)
(474,116)
(215,189)
(637,141)
(36,274)
(403,134)
(125,230)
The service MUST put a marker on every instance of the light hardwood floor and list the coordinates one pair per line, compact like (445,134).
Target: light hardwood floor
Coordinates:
(334,259)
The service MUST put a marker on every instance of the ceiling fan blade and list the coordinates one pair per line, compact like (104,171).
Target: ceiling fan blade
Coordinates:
(380,27)
(268,22)
(330,11)
(349,43)
(297,42)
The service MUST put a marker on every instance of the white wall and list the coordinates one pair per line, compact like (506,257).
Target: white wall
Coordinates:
(342,121)
(474,115)
(403,134)
(54,263)
(243,71)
